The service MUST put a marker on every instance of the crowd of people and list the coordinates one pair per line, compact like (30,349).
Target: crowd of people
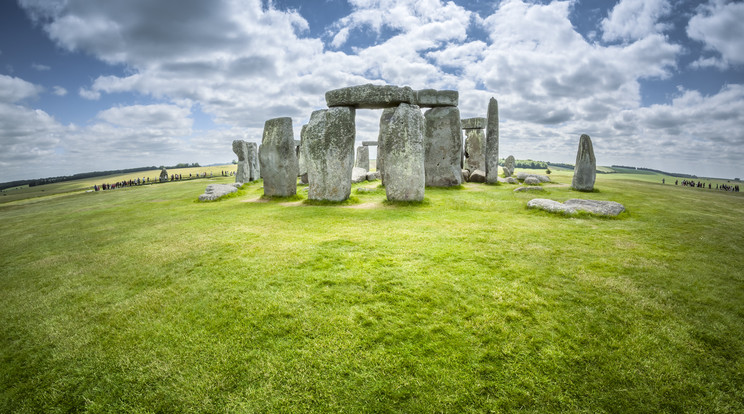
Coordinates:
(147,180)
(700,184)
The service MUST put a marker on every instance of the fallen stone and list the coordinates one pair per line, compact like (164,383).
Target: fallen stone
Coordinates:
(604,208)
(585,169)
(478,176)
(362,158)
(358,175)
(373,175)
(509,166)
(431,98)
(512,180)
(492,142)
(403,149)
(465,176)
(330,153)
(442,147)
(215,191)
(531,180)
(529,188)
(370,96)
(473,123)
(523,175)
(366,190)
(278,158)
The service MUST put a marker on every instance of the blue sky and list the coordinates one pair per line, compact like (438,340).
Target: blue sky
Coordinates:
(117,84)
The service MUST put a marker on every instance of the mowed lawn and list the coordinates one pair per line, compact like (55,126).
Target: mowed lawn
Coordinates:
(144,300)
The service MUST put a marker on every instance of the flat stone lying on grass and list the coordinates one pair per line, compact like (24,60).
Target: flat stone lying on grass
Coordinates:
(523,175)
(358,175)
(465,175)
(512,180)
(366,190)
(370,96)
(531,180)
(528,188)
(215,191)
(604,208)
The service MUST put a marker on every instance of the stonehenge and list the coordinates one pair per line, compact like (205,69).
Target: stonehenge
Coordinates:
(475,144)
(278,158)
(442,147)
(492,142)
(403,145)
(330,153)
(163,175)
(585,169)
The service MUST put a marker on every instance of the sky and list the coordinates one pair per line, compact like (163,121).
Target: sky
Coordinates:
(109,84)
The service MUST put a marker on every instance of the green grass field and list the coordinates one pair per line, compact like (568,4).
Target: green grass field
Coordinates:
(144,300)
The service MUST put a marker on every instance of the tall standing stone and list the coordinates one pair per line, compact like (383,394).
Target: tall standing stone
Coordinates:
(387,115)
(492,142)
(252,161)
(163,175)
(278,158)
(243,175)
(585,170)
(403,146)
(475,146)
(362,157)
(509,163)
(302,162)
(330,153)
(442,147)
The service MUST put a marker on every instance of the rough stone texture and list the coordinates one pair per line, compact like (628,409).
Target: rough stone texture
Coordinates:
(278,158)
(387,114)
(512,180)
(254,169)
(373,175)
(523,176)
(475,150)
(473,123)
(163,175)
(509,166)
(530,188)
(358,175)
(403,146)
(431,98)
(585,169)
(605,208)
(531,180)
(215,191)
(362,158)
(465,176)
(442,147)
(492,142)
(370,96)
(330,153)
(243,174)
(369,143)
(302,157)
(478,176)
(365,190)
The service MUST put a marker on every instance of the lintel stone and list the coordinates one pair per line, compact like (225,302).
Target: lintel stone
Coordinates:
(473,123)
(369,143)
(370,96)
(431,98)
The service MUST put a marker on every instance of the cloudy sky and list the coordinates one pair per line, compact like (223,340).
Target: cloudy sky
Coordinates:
(97,85)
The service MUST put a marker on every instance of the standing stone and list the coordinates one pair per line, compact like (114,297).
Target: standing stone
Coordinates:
(403,146)
(509,166)
(243,175)
(387,115)
(585,170)
(330,153)
(252,161)
(302,162)
(278,158)
(163,175)
(475,146)
(492,142)
(442,147)
(362,158)
(298,150)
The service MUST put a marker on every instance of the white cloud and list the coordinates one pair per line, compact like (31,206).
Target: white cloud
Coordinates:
(91,95)
(60,91)
(40,67)
(14,89)
(718,25)
(635,19)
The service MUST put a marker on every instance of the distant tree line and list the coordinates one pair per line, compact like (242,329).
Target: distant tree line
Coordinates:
(527,164)
(656,171)
(62,178)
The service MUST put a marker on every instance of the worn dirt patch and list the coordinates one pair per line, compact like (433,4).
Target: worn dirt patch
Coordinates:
(364,206)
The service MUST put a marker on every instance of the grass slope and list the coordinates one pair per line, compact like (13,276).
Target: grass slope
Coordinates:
(143,300)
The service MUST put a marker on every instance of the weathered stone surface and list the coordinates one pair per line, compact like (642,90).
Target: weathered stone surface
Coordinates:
(369,143)
(442,147)
(492,142)
(252,163)
(362,158)
(370,96)
(585,169)
(358,175)
(605,208)
(509,166)
(475,150)
(215,191)
(278,158)
(302,156)
(512,180)
(163,175)
(523,176)
(530,188)
(465,176)
(473,123)
(385,118)
(243,174)
(403,149)
(365,190)
(531,180)
(478,176)
(431,98)
(373,175)
(330,153)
